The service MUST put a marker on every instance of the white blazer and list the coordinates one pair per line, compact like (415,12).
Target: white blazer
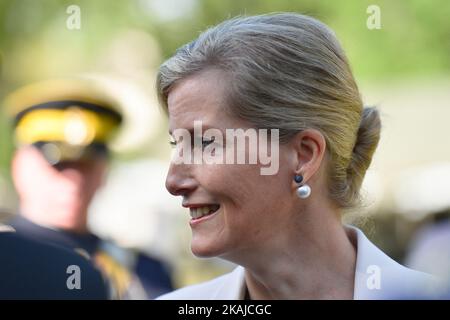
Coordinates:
(376,277)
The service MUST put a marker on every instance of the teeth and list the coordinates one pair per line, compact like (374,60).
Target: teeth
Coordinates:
(202,211)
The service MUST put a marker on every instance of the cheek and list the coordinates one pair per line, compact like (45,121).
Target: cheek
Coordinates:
(228,181)
(242,187)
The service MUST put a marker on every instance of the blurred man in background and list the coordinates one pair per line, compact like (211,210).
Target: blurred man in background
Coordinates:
(62,129)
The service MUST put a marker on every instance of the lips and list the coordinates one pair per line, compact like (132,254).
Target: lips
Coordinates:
(198,212)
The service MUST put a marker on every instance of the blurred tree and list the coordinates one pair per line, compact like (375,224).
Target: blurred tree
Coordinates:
(414,39)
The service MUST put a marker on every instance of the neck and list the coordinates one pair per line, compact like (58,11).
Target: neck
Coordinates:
(55,219)
(312,259)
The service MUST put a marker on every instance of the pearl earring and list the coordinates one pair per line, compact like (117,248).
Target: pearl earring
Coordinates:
(303,191)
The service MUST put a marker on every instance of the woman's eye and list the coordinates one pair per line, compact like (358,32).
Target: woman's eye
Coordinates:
(172,143)
(206,142)
(203,142)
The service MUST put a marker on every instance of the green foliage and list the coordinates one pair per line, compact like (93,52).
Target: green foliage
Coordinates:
(414,39)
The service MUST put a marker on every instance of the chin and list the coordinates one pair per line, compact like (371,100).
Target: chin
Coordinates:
(202,248)
(69,217)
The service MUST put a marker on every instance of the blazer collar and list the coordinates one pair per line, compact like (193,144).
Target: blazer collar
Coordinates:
(377,276)
(233,288)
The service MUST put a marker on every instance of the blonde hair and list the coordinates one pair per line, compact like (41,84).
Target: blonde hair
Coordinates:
(287,71)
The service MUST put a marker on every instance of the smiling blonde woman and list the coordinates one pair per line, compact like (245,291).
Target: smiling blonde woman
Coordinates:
(288,72)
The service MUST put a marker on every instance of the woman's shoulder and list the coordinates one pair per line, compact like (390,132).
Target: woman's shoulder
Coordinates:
(226,287)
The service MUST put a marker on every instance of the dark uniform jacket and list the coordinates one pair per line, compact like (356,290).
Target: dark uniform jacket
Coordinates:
(34,270)
(131,274)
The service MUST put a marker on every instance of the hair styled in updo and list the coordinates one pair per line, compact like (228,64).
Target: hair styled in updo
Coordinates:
(288,71)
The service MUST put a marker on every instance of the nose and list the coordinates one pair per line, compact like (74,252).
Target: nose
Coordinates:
(179,181)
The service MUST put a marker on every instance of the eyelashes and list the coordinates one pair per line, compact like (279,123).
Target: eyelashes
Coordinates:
(204,142)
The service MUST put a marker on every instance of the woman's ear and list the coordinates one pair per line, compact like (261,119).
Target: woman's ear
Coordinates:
(310,146)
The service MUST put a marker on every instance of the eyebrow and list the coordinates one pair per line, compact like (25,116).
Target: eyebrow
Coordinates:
(204,128)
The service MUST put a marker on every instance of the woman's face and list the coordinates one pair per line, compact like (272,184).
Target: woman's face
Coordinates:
(243,209)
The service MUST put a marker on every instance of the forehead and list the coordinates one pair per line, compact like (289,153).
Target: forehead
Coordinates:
(199,97)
